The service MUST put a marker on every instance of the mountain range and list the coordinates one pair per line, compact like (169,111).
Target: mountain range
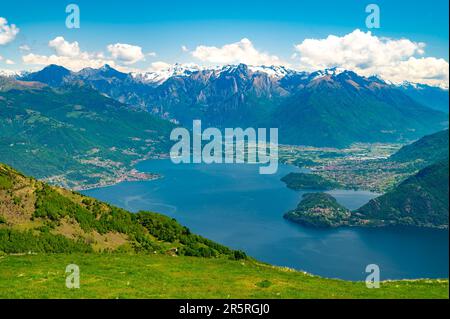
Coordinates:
(332,107)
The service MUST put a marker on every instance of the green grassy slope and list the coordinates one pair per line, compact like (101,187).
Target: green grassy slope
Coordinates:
(156,276)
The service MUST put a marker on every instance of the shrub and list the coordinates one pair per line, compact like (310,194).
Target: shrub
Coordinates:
(239,254)
(12,241)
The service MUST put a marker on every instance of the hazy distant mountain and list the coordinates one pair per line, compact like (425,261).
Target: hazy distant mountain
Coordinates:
(331,107)
(433,97)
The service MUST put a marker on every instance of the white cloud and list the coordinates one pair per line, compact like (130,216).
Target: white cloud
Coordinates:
(394,60)
(64,48)
(24,48)
(184,48)
(8,32)
(75,64)
(238,52)
(69,55)
(429,70)
(126,53)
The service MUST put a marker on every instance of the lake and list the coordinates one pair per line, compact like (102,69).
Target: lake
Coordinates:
(235,206)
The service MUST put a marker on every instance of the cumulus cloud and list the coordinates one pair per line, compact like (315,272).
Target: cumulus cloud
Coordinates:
(74,64)
(69,55)
(64,48)
(8,32)
(126,53)
(394,60)
(238,52)
(184,48)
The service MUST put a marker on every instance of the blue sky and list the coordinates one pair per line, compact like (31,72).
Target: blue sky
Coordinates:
(273,28)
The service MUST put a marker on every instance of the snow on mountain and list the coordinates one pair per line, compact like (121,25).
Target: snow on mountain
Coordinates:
(409,85)
(161,75)
(275,71)
(327,72)
(161,72)
(377,78)
(11,74)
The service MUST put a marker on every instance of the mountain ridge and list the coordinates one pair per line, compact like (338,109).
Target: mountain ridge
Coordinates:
(341,105)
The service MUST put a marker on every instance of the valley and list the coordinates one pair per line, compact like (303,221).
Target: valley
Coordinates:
(359,167)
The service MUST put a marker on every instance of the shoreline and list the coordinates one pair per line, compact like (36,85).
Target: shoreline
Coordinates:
(116,181)
(131,175)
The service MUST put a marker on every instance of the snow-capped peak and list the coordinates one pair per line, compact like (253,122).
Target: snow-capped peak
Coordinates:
(379,79)
(163,72)
(11,73)
(407,84)
(326,72)
(275,71)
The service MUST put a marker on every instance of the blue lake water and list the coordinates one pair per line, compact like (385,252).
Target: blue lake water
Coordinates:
(236,206)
